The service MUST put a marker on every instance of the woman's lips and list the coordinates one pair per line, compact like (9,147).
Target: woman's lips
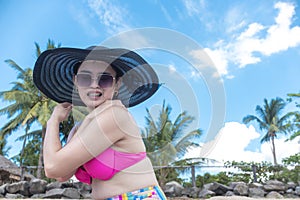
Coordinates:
(94,94)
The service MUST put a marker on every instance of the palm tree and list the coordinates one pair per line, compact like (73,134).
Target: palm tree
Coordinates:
(3,146)
(166,141)
(27,104)
(269,119)
(297,118)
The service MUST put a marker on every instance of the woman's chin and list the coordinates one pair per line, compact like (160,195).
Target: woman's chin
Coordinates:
(93,104)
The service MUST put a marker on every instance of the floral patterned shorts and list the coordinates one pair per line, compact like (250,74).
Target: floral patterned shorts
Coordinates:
(153,192)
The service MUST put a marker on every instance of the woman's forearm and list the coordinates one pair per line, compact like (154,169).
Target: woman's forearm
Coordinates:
(52,145)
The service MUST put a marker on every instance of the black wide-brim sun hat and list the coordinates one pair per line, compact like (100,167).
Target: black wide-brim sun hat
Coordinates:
(54,72)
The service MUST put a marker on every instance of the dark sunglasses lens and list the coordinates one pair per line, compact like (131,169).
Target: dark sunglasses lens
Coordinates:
(84,80)
(105,81)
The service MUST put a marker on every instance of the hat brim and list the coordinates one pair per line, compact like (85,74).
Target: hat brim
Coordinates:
(54,71)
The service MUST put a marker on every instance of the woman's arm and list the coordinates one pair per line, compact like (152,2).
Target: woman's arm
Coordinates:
(65,178)
(93,137)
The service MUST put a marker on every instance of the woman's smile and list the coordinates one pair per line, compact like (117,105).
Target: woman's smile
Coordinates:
(94,94)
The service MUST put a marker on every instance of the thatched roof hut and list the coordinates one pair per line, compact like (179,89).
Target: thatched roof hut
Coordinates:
(10,172)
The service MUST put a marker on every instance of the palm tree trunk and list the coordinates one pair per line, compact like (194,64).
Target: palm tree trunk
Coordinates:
(22,153)
(40,163)
(193,176)
(273,150)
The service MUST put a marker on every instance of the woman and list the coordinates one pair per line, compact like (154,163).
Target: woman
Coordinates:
(106,150)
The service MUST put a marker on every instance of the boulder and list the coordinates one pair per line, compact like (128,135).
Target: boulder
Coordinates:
(206,194)
(241,189)
(70,193)
(190,192)
(37,186)
(3,189)
(256,192)
(173,189)
(21,187)
(274,195)
(274,185)
(297,190)
(219,189)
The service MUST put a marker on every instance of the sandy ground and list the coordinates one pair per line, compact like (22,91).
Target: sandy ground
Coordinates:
(212,198)
(242,198)
(231,198)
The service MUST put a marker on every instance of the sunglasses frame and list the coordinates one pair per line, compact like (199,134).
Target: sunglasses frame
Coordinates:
(92,79)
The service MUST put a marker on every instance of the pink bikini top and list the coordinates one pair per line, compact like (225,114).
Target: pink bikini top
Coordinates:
(107,164)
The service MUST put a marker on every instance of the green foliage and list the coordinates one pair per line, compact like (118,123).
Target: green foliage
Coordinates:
(270,120)
(4,149)
(296,122)
(166,141)
(292,160)
(31,152)
(244,171)
(26,106)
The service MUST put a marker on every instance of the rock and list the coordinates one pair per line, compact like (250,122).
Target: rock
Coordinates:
(229,194)
(83,189)
(256,192)
(37,196)
(219,189)
(208,186)
(291,196)
(291,185)
(241,189)
(70,193)
(14,196)
(21,187)
(206,194)
(190,192)
(297,190)
(86,196)
(67,185)
(54,185)
(274,185)
(173,189)
(37,186)
(274,195)
(3,189)
(255,185)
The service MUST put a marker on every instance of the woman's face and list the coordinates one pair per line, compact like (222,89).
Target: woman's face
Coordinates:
(96,83)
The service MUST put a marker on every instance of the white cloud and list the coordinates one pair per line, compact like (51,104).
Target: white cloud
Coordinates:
(218,57)
(193,7)
(257,40)
(112,16)
(172,68)
(231,143)
(83,19)
(283,149)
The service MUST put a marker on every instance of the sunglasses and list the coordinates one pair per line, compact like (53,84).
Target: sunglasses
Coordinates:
(86,80)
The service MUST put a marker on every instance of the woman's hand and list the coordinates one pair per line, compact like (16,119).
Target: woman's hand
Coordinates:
(61,112)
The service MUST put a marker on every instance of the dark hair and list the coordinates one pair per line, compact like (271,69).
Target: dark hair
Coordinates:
(118,72)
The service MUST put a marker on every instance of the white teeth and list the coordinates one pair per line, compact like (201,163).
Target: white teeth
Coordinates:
(94,94)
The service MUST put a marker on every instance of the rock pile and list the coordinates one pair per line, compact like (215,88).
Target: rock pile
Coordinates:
(270,189)
(37,188)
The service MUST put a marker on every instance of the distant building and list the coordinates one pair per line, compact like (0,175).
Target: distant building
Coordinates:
(10,172)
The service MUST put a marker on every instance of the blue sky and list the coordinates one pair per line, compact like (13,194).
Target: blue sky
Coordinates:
(254,46)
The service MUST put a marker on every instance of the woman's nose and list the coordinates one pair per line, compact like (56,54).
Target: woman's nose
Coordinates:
(94,83)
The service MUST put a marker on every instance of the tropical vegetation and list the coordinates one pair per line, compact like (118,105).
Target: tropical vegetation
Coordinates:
(26,107)
(270,120)
(166,140)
